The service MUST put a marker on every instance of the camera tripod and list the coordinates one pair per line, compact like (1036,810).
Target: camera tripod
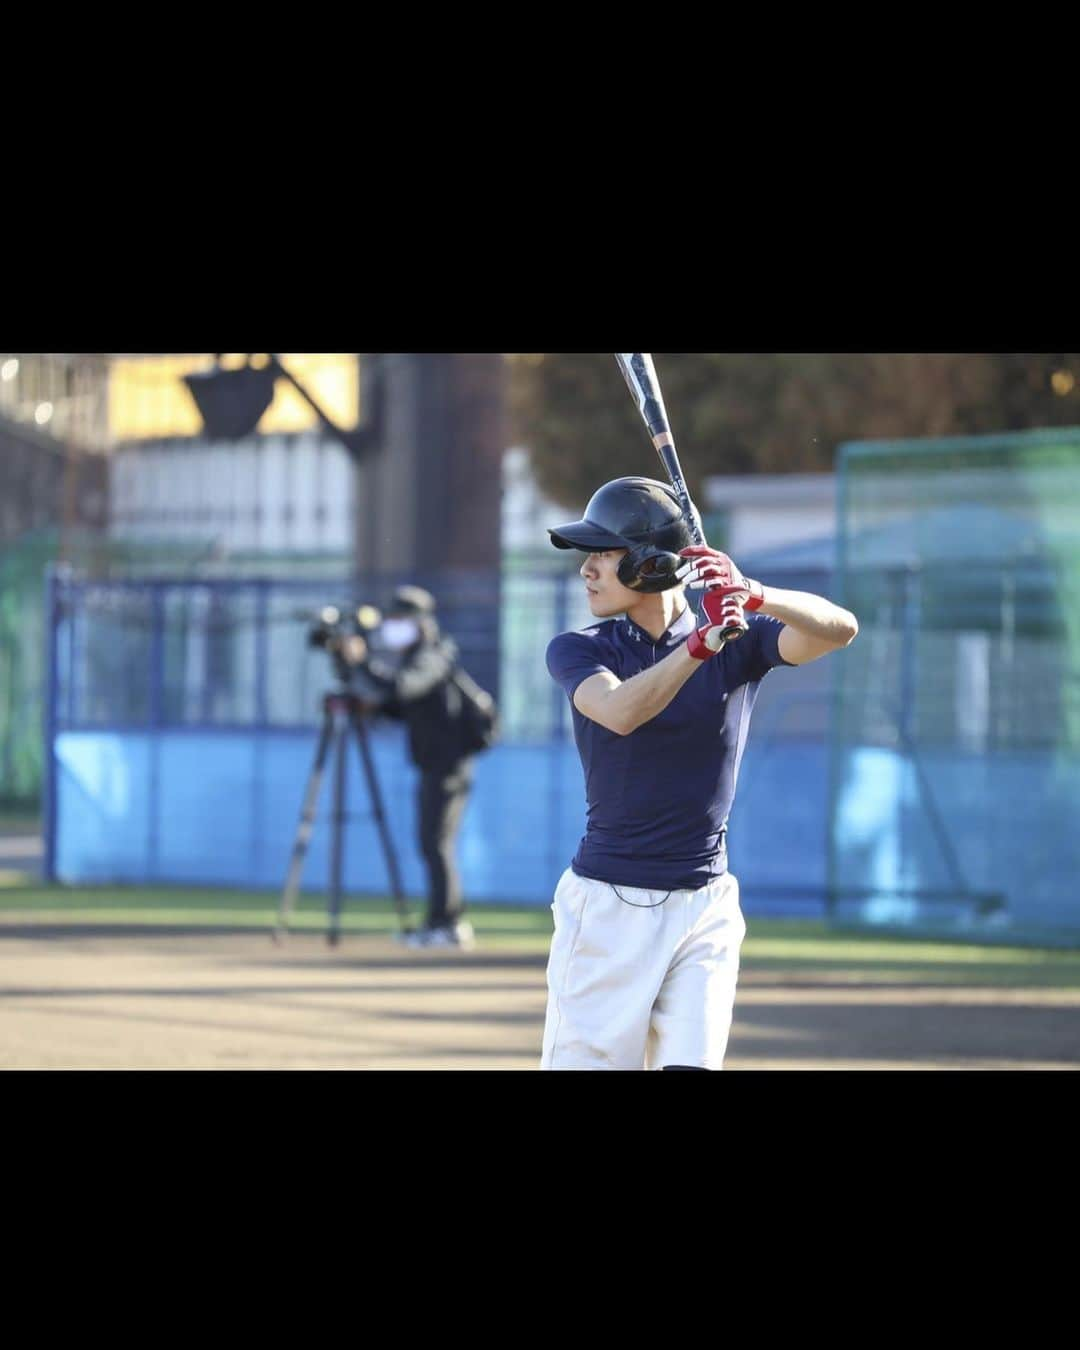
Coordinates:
(341,711)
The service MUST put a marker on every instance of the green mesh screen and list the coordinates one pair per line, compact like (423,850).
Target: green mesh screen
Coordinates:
(23,635)
(955,735)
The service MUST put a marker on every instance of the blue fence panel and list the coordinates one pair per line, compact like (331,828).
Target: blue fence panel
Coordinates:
(222,809)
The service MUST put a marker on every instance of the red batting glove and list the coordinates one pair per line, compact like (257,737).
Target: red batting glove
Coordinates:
(711,568)
(724,612)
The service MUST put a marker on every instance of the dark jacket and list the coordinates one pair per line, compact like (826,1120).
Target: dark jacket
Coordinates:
(420,693)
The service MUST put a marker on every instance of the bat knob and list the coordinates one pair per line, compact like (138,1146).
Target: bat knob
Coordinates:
(717,637)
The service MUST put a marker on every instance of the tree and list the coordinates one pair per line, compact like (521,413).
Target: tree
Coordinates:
(762,412)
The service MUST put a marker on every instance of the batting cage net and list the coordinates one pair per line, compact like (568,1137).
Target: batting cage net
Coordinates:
(954,756)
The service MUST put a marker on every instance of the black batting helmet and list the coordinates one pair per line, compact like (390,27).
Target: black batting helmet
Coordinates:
(638,514)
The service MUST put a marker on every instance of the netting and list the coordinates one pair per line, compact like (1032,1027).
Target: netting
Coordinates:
(955,744)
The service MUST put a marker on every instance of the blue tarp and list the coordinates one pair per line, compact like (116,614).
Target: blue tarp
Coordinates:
(223,808)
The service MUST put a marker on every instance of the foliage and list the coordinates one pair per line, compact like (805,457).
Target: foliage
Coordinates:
(762,412)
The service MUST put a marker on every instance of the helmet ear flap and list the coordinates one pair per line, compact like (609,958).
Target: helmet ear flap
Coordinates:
(648,569)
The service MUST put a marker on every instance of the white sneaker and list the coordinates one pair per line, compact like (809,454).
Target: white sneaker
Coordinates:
(464,937)
(458,934)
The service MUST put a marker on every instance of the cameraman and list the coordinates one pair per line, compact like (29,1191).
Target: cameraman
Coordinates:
(408,669)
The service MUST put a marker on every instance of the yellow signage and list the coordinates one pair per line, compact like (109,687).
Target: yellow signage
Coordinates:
(148,398)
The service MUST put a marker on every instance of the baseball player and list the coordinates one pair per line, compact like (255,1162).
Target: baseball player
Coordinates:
(645,953)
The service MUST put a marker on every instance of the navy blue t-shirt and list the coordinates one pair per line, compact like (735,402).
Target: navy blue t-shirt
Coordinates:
(657,800)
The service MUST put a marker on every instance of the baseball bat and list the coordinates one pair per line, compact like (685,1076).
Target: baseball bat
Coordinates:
(644,385)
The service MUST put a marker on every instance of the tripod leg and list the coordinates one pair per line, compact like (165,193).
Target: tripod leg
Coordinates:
(337,843)
(380,819)
(303,831)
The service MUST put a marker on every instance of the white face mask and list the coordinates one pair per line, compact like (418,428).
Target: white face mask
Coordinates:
(397,634)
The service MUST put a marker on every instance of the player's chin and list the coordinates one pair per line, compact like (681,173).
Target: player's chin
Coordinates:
(602,608)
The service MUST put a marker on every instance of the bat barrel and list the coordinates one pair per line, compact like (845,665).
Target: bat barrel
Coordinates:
(670,459)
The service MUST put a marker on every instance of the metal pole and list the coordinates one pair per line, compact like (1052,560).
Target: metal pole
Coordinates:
(52,675)
(355,442)
(356,717)
(303,831)
(337,840)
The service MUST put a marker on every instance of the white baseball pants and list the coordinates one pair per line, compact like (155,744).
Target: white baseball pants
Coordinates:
(636,981)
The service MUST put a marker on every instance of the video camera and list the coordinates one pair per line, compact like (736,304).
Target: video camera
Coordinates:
(344,636)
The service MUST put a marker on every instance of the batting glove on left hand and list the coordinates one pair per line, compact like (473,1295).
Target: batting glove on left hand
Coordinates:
(713,570)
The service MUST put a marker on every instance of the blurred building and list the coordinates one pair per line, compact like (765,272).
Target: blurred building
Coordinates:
(746,514)
(287,489)
(63,394)
(526,512)
(762,513)
(53,506)
(53,473)
(391,463)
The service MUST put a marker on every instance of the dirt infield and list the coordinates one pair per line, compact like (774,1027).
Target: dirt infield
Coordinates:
(80,997)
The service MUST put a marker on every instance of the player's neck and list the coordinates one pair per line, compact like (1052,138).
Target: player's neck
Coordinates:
(656,613)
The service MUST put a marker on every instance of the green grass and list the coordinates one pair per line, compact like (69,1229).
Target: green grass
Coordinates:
(787,948)
(798,949)
(22,902)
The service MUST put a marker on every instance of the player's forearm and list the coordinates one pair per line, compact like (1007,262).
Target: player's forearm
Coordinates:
(810,614)
(640,698)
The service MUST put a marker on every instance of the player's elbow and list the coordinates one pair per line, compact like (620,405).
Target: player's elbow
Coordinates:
(606,707)
(849,628)
(617,722)
(611,719)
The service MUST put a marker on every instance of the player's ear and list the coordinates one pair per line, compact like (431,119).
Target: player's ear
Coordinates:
(649,569)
